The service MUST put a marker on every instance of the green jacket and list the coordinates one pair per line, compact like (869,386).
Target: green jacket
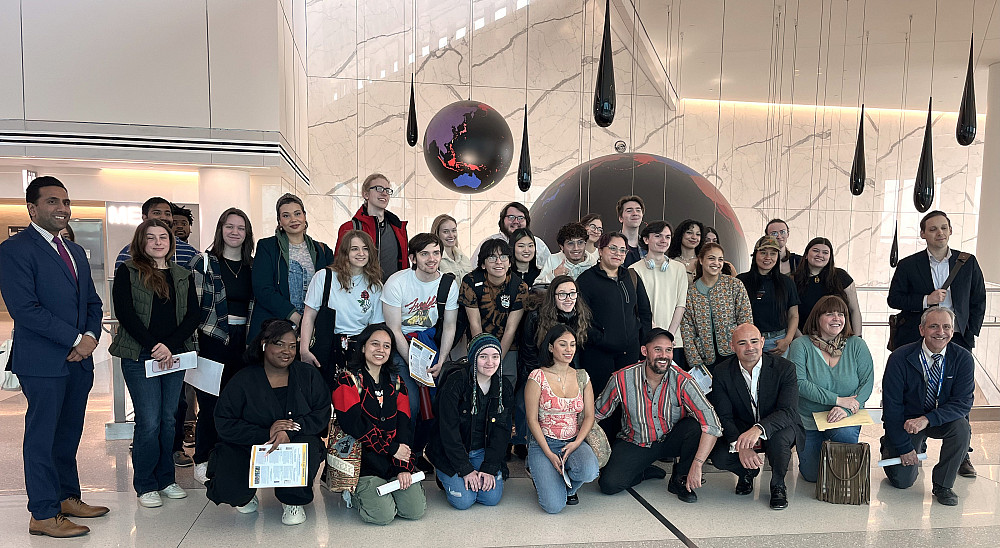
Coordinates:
(124,345)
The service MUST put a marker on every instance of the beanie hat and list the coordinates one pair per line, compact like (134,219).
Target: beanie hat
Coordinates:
(479,343)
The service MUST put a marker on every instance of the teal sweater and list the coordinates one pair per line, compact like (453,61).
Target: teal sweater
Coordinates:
(820,385)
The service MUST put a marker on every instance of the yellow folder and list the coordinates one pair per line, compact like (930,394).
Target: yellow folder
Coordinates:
(858,419)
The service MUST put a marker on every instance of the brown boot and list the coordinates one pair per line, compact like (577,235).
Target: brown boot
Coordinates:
(75,507)
(57,527)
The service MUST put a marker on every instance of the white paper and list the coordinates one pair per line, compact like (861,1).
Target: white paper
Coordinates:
(393,485)
(421,358)
(207,377)
(566,479)
(180,362)
(897,460)
(703,378)
(287,466)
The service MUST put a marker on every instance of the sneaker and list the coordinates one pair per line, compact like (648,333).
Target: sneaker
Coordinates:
(201,472)
(292,515)
(572,500)
(182,460)
(150,500)
(189,434)
(966,470)
(173,491)
(249,507)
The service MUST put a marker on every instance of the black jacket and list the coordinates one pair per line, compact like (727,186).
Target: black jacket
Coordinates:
(912,281)
(449,450)
(777,397)
(270,281)
(247,406)
(621,314)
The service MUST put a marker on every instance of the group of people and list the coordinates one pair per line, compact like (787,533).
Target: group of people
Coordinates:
(652,338)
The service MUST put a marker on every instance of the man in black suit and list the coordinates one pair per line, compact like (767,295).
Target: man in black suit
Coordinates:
(916,286)
(756,396)
(927,392)
(46,284)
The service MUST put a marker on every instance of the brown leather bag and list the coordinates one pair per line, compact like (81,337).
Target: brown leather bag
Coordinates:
(844,473)
(896,320)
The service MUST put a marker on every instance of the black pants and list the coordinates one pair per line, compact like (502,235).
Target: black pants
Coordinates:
(231,357)
(179,417)
(344,347)
(229,469)
(954,436)
(778,448)
(628,460)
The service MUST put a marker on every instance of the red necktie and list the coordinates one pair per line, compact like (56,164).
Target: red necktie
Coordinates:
(65,256)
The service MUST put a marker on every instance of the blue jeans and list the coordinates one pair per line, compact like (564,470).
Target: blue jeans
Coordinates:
(581,467)
(462,498)
(155,403)
(809,455)
(771,343)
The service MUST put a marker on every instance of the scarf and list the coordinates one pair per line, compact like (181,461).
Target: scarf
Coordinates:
(834,347)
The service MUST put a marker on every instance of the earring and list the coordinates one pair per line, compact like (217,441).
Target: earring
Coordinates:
(263,347)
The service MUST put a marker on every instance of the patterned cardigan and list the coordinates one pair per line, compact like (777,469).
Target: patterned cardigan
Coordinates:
(717,314)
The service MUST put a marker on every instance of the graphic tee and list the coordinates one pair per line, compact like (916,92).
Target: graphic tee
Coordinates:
(416,300)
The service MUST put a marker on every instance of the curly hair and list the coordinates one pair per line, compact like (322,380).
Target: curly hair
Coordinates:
(548,312)
(674,250)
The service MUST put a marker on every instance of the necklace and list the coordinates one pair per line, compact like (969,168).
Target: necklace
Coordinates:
(562,383)
(238,270)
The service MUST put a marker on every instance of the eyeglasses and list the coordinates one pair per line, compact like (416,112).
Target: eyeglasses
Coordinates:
(777,233)
(566,296)
(596,228)
(380,189)
(616,250)
(494,258)
(518,218)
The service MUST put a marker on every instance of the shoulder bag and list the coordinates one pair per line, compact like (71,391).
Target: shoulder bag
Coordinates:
(596,438)
(844,473)
(322,343)
(896,320)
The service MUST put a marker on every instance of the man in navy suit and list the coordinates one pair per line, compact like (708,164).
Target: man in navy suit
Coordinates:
(927,392)
(46,284)
(916,286)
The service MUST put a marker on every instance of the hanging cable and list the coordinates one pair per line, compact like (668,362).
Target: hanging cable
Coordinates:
(718,126)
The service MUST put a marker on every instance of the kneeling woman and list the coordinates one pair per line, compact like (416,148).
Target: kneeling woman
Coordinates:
(474,413)
(372,406)
(275,400)
(554,397)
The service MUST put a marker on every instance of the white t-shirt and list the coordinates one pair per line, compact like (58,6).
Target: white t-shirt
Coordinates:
(356,309)
(416,300)
(549,268)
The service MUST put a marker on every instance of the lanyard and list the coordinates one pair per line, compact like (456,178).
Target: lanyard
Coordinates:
(923,361)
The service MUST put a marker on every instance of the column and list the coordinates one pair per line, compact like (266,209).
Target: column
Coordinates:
(218,190)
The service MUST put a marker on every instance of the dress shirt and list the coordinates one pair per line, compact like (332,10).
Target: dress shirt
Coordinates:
(940,270)
(48,236)
(752,378)
(929,358)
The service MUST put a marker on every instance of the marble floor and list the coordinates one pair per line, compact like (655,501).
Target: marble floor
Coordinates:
(894,517)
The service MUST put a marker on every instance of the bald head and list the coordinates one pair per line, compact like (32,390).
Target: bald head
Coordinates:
(747,344)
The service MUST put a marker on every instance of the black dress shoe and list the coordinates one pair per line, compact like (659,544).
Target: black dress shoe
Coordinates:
(653,472)
(677,487)
(521,450)
(572,500)
(945,495)
(744,486)
(966,470)
(779,500)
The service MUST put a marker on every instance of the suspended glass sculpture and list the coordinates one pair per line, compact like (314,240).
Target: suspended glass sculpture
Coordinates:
(858,169)
(894,250)
(923,186)
(965,131)
(411,122)
(524,166)
(604,93)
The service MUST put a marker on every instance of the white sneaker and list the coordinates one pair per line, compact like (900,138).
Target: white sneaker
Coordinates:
(150,500)
(201,472)
(173,491)
(292,515)
(249,507)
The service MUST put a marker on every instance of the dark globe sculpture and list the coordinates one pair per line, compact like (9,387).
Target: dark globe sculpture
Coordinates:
(468,146)
(671,191)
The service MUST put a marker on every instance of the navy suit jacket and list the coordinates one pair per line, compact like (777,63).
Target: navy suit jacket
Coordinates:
(49,308)
(912,281)
(777,395)
(904,387)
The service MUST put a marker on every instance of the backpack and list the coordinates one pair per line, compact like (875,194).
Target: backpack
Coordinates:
(444,287)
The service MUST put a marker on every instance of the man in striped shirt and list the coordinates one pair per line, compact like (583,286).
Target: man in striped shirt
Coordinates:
(664,415)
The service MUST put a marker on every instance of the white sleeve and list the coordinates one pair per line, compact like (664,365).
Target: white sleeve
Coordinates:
(314,295)
(547,271)
(452,303)
(392,292)
(542,252)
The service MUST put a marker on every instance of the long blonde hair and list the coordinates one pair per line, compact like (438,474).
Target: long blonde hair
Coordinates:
(436,226)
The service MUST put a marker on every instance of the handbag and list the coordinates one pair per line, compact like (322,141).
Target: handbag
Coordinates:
(343,455)
(323,341)
(596,438)
(896,320)
(844,473)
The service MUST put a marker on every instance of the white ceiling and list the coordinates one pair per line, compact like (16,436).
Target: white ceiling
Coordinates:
(822,64)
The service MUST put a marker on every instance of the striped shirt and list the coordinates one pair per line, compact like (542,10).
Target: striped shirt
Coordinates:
(648,416)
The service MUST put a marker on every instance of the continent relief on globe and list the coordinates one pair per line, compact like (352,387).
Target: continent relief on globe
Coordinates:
(469,146)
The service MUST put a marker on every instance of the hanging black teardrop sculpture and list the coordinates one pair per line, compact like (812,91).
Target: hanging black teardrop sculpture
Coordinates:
(858,169)
(524,166)
(411,122)
(604,93)
(923,185)
(894,250)
(965,131)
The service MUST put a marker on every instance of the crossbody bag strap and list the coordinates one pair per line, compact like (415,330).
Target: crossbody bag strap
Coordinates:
(962,258)
(326,288)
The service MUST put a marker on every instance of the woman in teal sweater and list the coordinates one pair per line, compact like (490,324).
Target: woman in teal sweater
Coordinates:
(836,376)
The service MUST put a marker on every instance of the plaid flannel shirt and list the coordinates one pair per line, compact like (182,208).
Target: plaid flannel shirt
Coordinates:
(212,297)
